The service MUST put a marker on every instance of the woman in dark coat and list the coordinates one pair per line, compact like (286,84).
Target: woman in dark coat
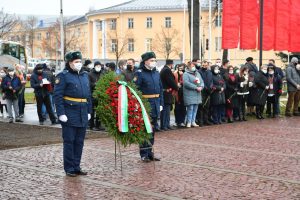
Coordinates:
(275,90)
(260,93)
(180,110)
(218,95)
(231,81)
(243,91)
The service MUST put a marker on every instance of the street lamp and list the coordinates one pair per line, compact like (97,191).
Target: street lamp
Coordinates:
(62,53)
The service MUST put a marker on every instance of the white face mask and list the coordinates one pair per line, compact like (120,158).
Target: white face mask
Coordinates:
(97,68)
(298,66)
(11,73)
(77,66)
(193,69)
(90,66)
(271,72)
(124,67)
(264,71)
(152,65)
(2,74)
(218,64)
(230,71)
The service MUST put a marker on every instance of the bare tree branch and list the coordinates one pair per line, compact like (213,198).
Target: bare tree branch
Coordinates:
(167,42)
(7,23)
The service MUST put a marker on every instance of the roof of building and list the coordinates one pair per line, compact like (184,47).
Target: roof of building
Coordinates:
(147,5)
(78,20)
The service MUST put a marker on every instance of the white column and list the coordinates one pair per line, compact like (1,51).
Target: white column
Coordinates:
(103,39)
(183,31)
(95,40)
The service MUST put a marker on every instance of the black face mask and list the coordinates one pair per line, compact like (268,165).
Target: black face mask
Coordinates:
(129,67)
(204,68)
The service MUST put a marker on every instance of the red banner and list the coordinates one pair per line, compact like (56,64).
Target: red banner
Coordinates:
(269,25)
(249,23)
(230,24)
(282,25)
(294,42)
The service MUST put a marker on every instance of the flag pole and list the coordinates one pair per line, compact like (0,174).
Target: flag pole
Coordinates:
(192,30)
(261,31)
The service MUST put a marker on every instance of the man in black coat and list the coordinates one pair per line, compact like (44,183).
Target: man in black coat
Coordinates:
(203,114)
(128,73)
(94,76)
(169,85)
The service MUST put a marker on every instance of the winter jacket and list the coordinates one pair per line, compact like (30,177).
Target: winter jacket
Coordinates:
(15,83)
(292,77)
(94,78)
(169,84)
(218,97)
(36,80)
(259,96)
(191,81)
(231,81)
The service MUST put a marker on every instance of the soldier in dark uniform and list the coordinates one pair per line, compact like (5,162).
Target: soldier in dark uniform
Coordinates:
(73,104)
(147,79)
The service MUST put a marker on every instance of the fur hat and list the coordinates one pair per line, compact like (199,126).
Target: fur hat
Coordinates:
(73,55)
(148,55)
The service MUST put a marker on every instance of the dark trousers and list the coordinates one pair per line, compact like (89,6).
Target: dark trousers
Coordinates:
(2,108)
(180,113)
(73,141)
(260,110)
(217,113)
(203,113)
(146,147)
(271,105)
(94,121)
(242,100)
(21,102)
(165,116)
(40,100)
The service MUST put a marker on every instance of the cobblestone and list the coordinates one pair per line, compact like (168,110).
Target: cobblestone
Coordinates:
(252,160)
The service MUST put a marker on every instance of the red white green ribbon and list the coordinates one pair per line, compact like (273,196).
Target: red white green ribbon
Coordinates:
(123,108)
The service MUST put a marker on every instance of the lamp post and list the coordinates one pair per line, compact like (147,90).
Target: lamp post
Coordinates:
(62,53)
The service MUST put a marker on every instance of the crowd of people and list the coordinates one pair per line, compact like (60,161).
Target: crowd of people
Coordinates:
(201,93)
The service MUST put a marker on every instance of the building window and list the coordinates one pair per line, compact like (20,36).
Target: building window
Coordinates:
(207,44)
(148,44)
(47,35)
(168,22)
(78,32)
(131,45)
(130,23)
(99,25)
(39,36)
(149,22)
(218,21)
(218,41)
(113,45)
(113,24)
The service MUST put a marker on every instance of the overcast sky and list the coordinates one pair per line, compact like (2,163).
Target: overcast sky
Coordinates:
(52,7)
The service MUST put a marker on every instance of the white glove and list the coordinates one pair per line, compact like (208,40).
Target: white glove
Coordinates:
(250,84)
(271,86)
(63,118)
(267,87)
(160,108)
(242,84)
(89,116)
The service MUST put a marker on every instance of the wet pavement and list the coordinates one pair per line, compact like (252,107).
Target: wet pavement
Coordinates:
(248,160)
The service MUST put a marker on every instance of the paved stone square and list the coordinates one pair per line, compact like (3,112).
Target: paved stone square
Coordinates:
(249,160)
